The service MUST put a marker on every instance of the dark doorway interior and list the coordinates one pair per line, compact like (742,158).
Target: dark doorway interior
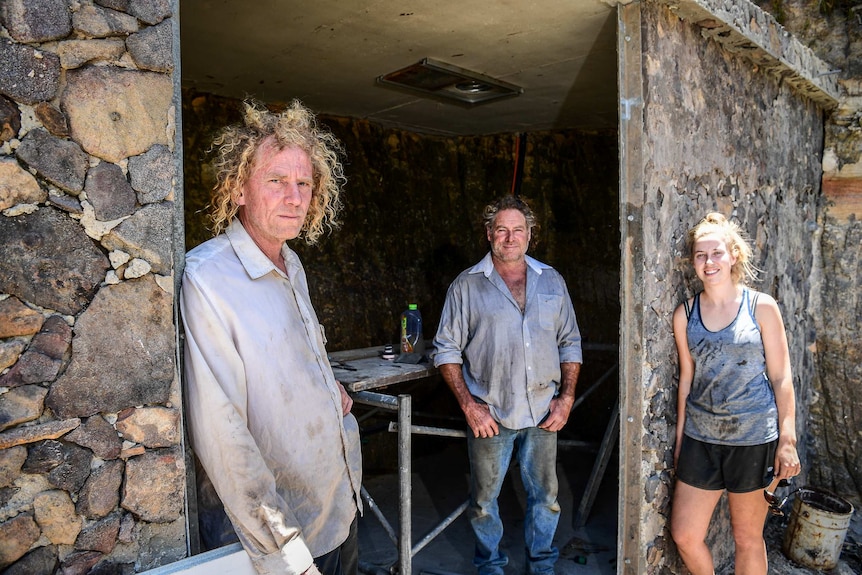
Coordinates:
(411,223)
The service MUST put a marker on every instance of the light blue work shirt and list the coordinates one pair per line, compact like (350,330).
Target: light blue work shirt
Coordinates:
(510,360)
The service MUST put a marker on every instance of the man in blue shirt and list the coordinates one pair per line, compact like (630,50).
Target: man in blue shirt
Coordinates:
(509,348)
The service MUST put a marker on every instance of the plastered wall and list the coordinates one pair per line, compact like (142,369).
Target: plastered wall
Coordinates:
(717,135)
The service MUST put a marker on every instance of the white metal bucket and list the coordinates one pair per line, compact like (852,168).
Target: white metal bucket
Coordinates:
(818,524)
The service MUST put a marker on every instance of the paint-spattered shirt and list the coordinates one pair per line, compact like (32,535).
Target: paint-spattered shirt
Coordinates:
(510,360)
(264,407)
(731,400)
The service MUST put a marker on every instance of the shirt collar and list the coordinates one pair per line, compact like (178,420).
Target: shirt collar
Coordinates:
(251,257)
(486,266)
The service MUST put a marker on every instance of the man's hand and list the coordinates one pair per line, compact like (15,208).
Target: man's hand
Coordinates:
(479,419)
(561,407)
(346,400)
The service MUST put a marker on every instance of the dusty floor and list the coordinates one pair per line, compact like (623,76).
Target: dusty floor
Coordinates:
(440,486)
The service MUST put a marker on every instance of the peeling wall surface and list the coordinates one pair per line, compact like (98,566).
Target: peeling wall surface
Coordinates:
(92,474)
(835,438)
(716,138)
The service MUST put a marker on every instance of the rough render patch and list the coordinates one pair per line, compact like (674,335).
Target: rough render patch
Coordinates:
(94,227)
(845,198)
(166,283)
(20,210)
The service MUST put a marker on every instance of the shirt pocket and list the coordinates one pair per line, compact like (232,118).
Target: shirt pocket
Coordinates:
(549,310)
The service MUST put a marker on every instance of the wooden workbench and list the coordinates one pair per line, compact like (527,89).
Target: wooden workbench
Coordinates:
(364,373)
(364,369)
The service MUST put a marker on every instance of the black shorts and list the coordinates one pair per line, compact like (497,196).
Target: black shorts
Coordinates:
(737,468)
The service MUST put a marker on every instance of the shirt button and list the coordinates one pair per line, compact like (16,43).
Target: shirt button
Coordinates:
(529,368)
(527,344)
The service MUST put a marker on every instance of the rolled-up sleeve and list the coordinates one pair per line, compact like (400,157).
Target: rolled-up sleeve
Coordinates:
(569,335)
(452,332)
(217,405)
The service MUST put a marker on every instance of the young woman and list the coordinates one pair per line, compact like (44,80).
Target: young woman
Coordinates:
(736,428)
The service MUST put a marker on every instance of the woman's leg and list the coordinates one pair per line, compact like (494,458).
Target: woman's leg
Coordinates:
(690,517)
(748,516)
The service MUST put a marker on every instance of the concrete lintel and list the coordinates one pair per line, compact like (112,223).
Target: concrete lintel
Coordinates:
(742,27)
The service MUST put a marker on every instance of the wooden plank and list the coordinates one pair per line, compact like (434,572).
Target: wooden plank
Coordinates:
(375,372)
(599,467)
(631,559)
(360,353)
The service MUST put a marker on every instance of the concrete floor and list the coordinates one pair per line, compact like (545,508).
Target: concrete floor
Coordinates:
(440,485)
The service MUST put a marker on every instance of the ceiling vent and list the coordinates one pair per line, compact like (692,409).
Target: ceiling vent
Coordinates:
(449,83)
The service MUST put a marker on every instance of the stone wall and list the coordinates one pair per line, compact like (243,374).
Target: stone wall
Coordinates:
(717,132)
(835,438)
(92,475)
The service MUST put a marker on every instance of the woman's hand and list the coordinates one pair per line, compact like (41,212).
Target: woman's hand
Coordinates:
(786,460)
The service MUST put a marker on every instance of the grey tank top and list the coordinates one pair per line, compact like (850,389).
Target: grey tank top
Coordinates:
(731,400)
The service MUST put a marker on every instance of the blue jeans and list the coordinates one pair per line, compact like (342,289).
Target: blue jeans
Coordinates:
(489,461)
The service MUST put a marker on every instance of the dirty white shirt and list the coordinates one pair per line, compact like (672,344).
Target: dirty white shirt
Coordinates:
(264,406)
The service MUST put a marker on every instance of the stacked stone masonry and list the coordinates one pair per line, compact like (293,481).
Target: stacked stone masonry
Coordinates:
(92,474)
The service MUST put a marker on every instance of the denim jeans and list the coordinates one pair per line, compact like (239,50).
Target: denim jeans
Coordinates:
(489,462)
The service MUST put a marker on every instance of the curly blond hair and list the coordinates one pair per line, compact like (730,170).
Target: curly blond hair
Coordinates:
(743,270)
(236,148)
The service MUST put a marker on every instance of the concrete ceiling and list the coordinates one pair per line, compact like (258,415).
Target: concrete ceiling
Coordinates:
(328,53)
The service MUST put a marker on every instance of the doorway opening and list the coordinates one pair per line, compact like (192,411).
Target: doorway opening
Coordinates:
(419,173)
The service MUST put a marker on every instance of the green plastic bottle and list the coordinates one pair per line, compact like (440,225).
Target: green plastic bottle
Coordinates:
(411,330)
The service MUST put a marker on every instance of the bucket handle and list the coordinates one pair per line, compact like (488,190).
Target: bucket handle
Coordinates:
(775,502)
